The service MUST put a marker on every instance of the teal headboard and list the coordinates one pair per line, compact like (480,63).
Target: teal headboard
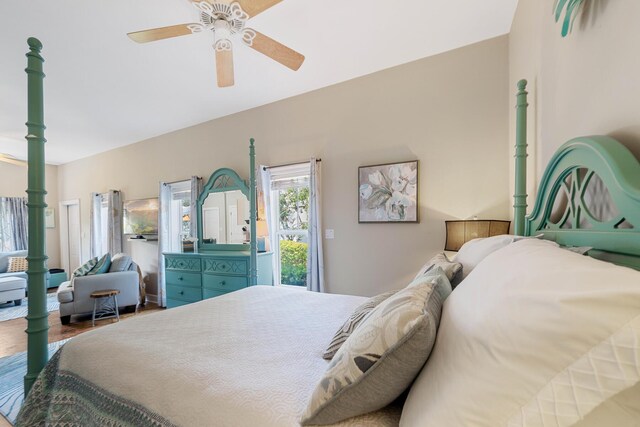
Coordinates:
(583,176)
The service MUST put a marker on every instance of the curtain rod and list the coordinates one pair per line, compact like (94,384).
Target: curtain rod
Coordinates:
(288,164)
(179,180)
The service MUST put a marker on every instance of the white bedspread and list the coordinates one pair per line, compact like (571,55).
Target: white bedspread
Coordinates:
(249,358)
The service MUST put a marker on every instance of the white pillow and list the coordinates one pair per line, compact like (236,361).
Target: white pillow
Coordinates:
(474,251)
(539,336)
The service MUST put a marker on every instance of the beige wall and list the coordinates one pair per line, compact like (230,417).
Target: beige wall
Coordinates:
(448,111)
(13,183)
(583,84)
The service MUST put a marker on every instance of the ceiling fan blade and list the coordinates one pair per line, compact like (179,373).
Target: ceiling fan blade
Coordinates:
(224,67)
(12,160)
(276,51)
(254,7)
(154,34)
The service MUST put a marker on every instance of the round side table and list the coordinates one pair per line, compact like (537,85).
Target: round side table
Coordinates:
(105,305)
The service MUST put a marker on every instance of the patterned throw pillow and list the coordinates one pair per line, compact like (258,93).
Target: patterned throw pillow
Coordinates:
(352,323)
(17,264)
(102,266)
(452,269)
(85,268)
(438,277)
(381,358)
(120,262)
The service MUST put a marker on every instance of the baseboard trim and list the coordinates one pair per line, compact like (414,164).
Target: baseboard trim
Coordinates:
(152,298)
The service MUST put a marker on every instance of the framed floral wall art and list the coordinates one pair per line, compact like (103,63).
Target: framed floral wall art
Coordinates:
(388,193)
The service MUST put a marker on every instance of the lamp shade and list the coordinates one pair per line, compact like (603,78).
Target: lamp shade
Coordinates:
(261,235)
(261,228)
(460,232)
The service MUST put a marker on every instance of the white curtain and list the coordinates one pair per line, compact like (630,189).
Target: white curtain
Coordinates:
(196,189)
(265,188)
(167,233)
(164,239)
(13,224)
(114,221)
(315,259)
(111,232)
(96,225)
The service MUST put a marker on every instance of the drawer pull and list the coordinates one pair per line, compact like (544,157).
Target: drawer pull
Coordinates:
(223,283)
(181,292)
(180,278)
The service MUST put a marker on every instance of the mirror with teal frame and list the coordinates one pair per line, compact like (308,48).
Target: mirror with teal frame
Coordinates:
(223,212)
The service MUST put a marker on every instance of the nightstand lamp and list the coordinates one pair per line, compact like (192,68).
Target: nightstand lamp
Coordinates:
(262,232)
(460,232)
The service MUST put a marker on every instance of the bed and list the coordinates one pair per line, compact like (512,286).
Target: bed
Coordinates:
(254,357)
(263,379)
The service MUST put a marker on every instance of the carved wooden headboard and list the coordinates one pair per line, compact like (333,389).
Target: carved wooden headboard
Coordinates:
(589,196)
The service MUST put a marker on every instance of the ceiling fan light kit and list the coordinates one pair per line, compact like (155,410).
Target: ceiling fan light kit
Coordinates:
(227,21)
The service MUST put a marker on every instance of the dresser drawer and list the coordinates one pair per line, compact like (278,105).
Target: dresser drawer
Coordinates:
(184,293)
(180,278)
(224,283)
(186,263)
(172,303)
(208,293)
(238,266)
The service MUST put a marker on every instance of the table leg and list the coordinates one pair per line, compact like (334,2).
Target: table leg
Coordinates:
(115,303)
(93,316)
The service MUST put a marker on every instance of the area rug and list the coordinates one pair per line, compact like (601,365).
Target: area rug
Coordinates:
(12,371)
(11,311)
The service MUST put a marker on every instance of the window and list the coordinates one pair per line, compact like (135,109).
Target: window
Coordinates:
(104,223)
(290,193)
(180,214)
(13,224)
(100,224)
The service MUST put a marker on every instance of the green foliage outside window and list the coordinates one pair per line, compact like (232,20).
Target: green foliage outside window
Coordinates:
(293,256)
(294,208)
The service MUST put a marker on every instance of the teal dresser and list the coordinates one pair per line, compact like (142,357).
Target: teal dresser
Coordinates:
(227,258)
(194,277)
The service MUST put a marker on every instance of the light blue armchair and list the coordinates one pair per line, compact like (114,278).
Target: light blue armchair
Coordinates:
(74,295)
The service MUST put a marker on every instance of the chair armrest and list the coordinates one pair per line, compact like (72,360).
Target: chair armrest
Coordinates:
(124,281)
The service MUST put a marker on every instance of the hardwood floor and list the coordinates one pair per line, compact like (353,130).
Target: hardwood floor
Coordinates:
(4,422)
(13,339)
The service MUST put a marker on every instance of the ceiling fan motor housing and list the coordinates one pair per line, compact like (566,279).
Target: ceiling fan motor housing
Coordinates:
(232,14)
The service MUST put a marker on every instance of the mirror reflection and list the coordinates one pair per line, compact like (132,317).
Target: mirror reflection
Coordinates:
(225,218)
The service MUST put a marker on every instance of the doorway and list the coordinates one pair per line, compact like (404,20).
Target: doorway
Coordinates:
(211,224)
(70,235)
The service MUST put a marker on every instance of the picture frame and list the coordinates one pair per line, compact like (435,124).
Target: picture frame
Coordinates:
(388,193)
(140,217)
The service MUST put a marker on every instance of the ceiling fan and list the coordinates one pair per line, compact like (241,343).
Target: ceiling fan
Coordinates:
(227,20)
(8,158)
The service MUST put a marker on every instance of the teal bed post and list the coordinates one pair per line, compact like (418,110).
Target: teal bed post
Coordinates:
(37,317)
(520,195)
(253,214)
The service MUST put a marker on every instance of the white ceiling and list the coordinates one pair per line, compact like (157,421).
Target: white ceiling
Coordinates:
(104,91)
